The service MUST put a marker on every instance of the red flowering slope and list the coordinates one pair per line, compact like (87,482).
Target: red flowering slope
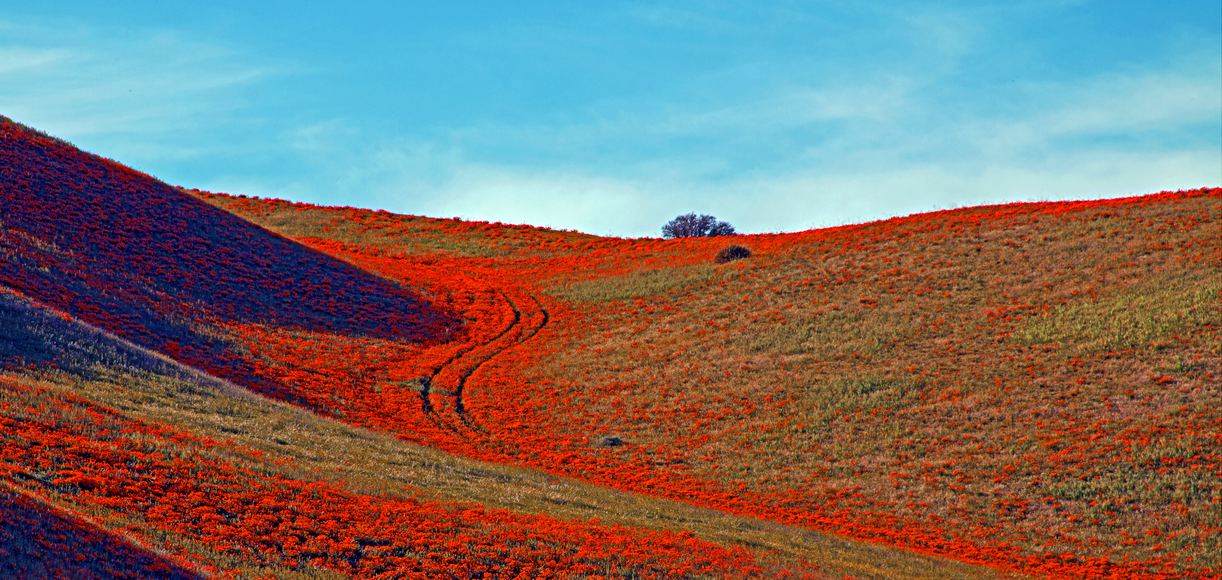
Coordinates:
(234,484)
(123,251)
(109,443)
(1031,386)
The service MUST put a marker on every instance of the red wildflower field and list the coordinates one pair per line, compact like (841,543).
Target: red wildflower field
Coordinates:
(971,384)
(1029,388)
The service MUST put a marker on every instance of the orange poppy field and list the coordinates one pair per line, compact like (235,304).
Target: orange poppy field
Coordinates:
(195,384)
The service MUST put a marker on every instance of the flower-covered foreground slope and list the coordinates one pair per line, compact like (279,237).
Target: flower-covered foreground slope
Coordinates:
(1031,386)
(123,251)
(234,484)
(231,508)
(40,541)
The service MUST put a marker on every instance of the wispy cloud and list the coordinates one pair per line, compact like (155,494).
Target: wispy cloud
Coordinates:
(873,100)
(1149,101)
(876,171)
(15,59)
(138,97)
(897,111)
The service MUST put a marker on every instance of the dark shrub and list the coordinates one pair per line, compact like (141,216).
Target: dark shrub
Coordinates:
(611,441)
(696,226)
(731,253)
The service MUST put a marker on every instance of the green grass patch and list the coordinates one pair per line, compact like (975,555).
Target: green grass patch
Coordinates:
(1135,317)
(846,395)
(831,334)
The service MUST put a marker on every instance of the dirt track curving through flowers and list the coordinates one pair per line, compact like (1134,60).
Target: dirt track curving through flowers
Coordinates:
(467,361)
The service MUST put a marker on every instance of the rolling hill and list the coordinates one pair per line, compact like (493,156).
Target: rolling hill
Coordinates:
(1032,386)
(123,251)
(198,383)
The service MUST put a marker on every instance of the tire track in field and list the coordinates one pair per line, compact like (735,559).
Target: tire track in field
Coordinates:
(461,384)
(544,319)
(428,382)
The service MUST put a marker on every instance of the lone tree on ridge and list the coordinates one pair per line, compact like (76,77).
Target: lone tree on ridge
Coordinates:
(696,226)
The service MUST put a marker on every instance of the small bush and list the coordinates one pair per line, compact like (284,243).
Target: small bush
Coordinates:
(731,253)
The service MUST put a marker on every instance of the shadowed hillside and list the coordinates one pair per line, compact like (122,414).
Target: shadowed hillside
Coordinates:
(38,541)
(125,252)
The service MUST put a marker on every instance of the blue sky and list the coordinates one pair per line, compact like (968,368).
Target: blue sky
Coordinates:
(611,117)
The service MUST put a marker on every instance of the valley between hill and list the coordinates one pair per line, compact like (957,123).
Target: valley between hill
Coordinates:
(204,383)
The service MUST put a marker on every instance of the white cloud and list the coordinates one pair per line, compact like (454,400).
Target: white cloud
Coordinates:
(873,100)
(14,59)
(950,35)
(636,205)
(890,159)
(887,165)
(1142,102)
(594,204)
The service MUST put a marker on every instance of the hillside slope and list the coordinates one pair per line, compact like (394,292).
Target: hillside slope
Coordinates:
(39,541)
(112,447)
(218,481)
(232,507)
(123,251)
(1031,386)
